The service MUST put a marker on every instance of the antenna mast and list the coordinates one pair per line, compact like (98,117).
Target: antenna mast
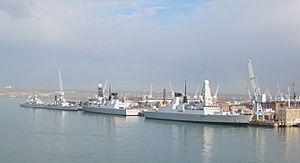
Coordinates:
(185,97)
(294,94)
(61,89)
(150,95)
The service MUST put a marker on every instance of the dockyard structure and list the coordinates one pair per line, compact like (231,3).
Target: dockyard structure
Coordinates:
(288,117)
(224,106)
(274,105)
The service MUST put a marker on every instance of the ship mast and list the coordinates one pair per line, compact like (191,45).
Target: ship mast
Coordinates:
(61,89)
(185,97)
(294,94)
(150,94)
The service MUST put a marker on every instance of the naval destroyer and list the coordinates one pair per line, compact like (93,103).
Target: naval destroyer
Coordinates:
(111,105)
(206,112)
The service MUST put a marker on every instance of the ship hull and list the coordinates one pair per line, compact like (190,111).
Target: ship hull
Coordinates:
(33,106)
(63,108)
(200,118)
(102,110)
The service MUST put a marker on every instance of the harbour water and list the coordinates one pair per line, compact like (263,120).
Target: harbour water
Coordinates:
(39,135)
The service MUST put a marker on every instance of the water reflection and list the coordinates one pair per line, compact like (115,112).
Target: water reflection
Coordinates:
(188,142)
(208,135)
(114,133)
(107,122)
(260,143)
(216,143)
(112,125)
(60,119)
(35,113)
(289,141)
(109,138)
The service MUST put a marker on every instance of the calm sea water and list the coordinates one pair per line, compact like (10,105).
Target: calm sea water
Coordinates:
(39,135)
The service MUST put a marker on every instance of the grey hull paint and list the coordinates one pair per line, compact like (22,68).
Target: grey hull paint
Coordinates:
(192,117)
(122,112)
(32,106)
(63,108)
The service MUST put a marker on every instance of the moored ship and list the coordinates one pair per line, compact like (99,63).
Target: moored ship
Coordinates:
(60,102)
(33,102)
(112,105)
(206,112)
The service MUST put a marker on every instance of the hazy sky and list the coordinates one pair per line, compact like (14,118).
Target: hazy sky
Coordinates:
(135,42)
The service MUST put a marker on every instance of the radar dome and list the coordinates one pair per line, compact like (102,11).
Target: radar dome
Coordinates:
(206,82)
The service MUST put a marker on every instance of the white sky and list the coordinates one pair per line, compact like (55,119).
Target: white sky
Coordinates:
(132,43)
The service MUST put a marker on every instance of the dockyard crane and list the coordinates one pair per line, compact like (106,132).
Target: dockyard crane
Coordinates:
(277,98)
(215,96)
(269,94)
(288,96)
(249,94)
(257,96)
(279,94)
(171,88)
(217,91)
(196,96)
